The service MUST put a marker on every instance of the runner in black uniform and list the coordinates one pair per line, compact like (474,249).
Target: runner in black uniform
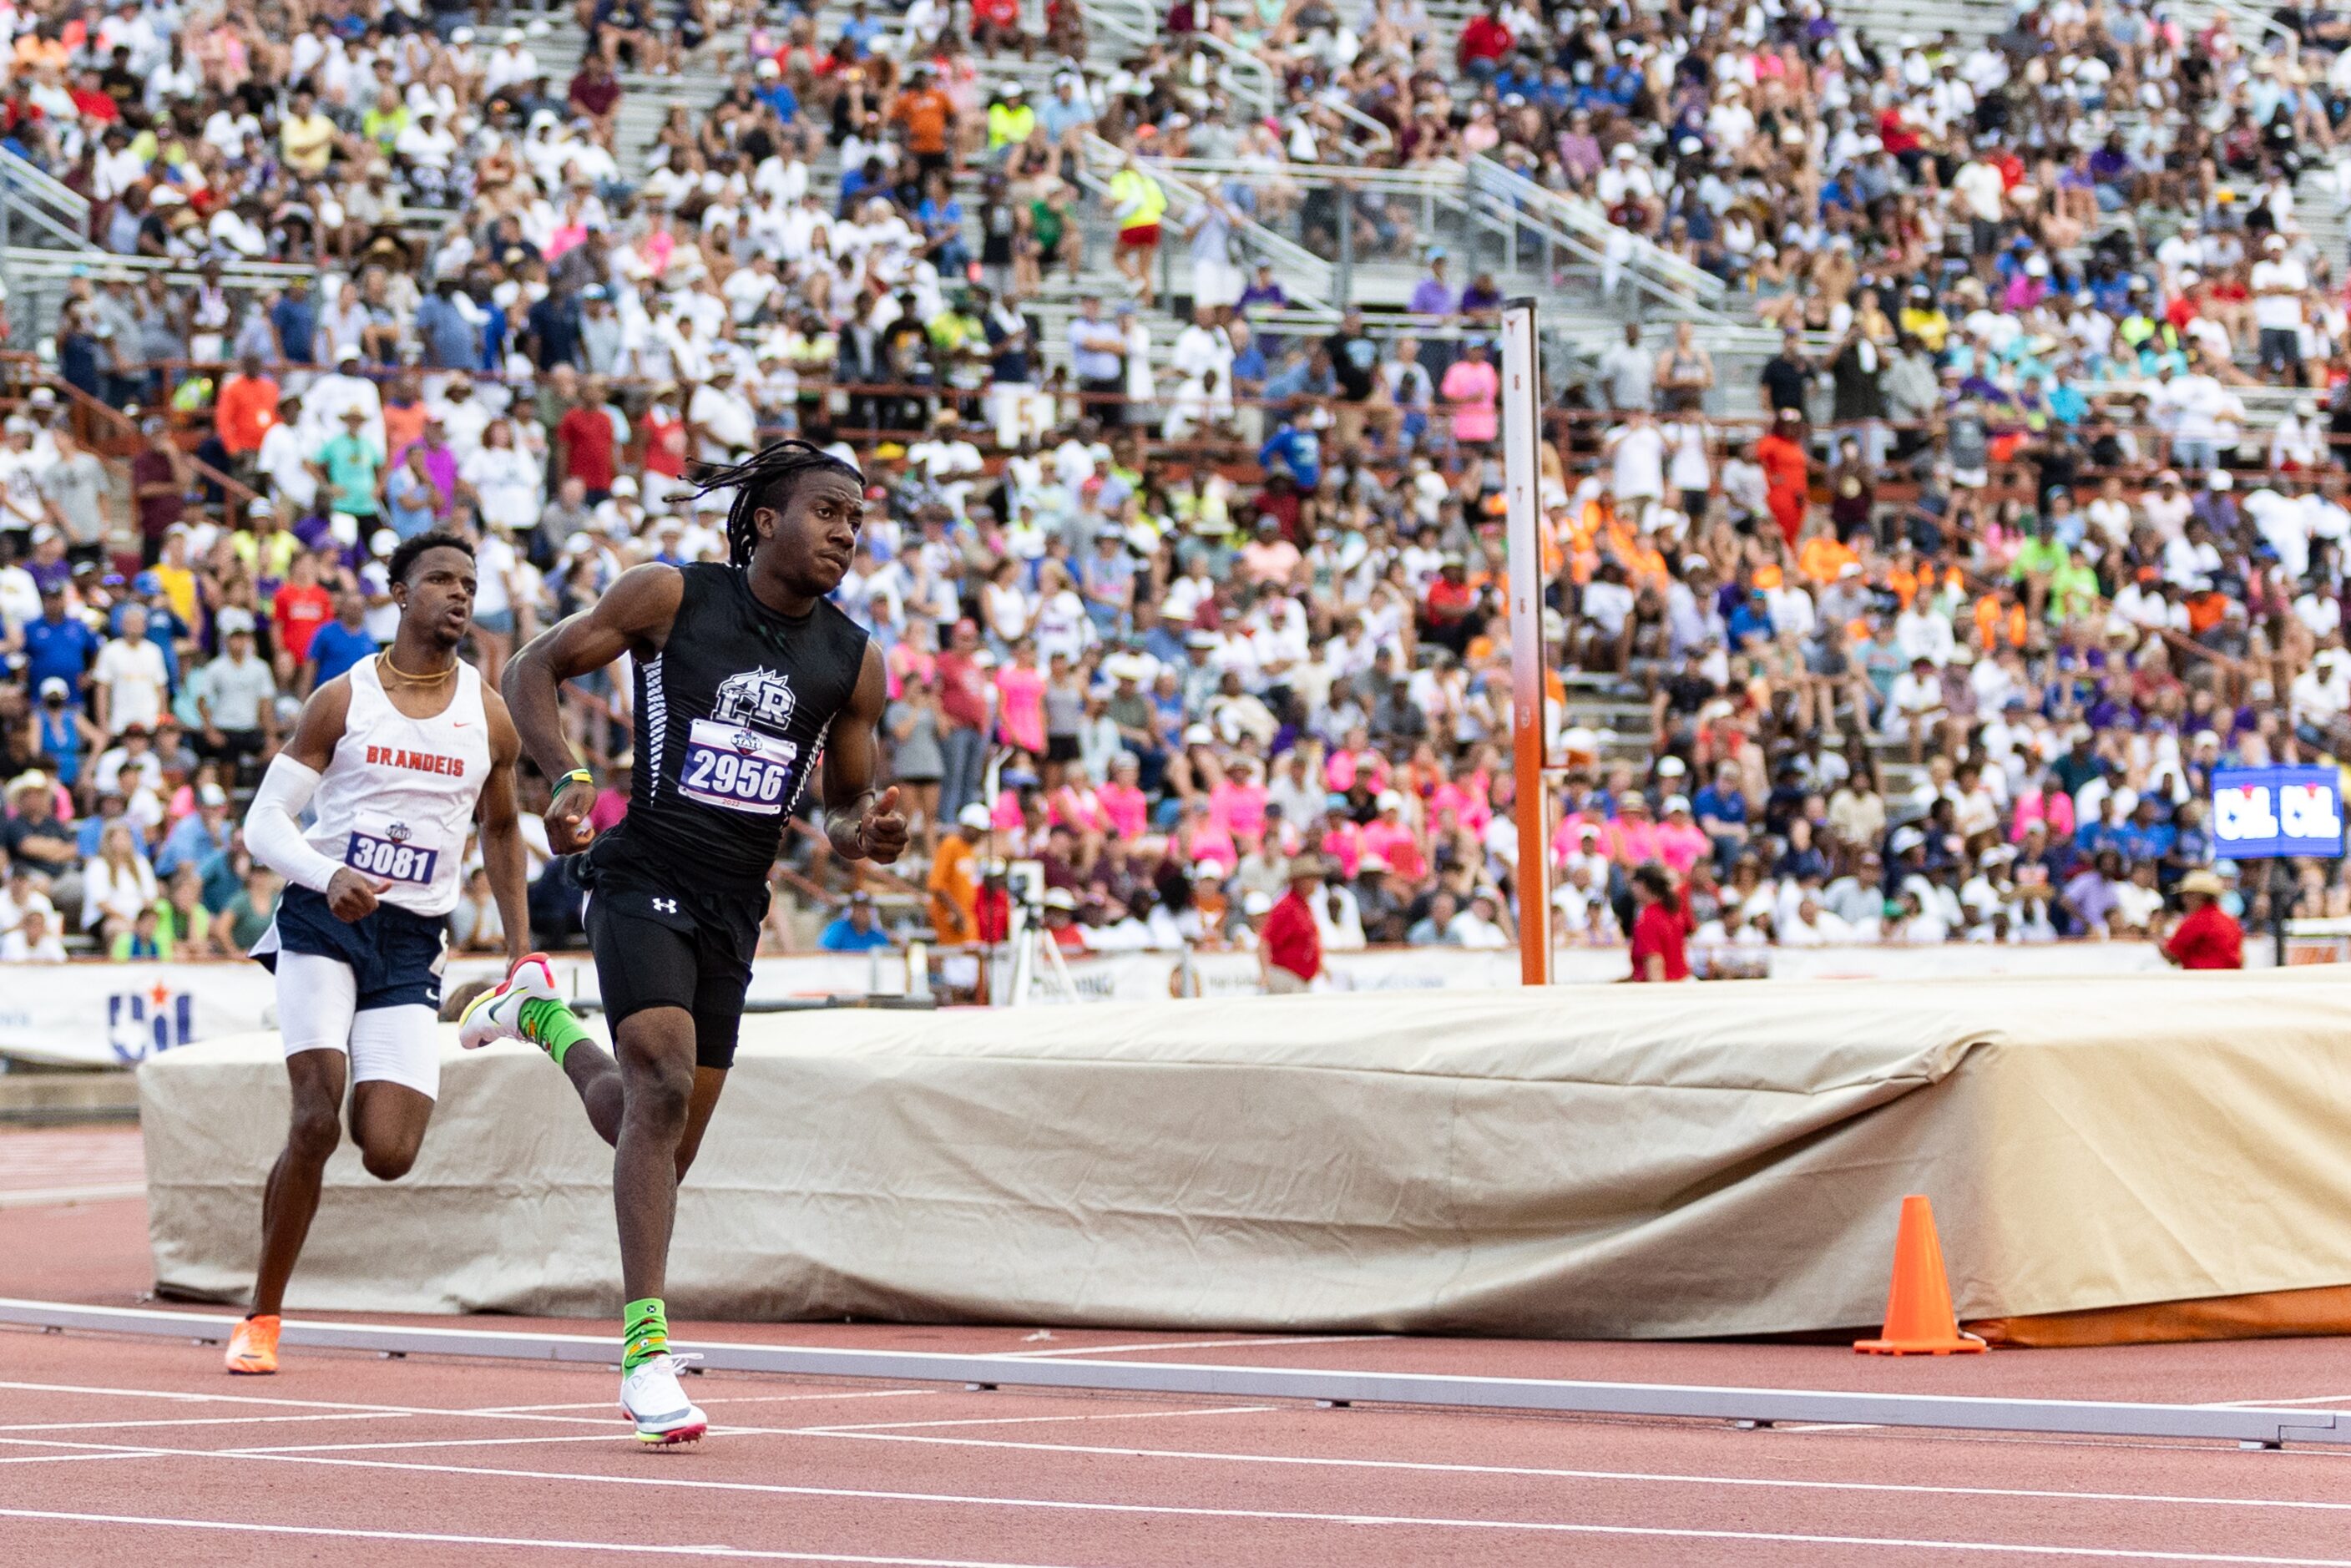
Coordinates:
(747,680)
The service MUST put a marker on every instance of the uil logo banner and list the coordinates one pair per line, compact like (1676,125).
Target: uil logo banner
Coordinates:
(757,696)
(2266,812)
(139,1024)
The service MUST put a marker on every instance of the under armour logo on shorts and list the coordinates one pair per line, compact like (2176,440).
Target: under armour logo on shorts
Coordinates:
(666,905)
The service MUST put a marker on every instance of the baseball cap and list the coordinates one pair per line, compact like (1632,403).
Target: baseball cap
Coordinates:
(233,620)
(974,815)
(211,795)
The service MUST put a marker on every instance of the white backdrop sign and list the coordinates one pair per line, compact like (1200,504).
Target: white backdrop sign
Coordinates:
(112,1015)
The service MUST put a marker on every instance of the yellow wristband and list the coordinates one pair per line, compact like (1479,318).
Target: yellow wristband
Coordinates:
(577,776)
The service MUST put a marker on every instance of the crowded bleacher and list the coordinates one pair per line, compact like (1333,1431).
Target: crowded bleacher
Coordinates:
(1942,469)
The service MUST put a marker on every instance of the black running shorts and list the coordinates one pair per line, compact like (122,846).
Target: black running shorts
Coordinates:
(662,945)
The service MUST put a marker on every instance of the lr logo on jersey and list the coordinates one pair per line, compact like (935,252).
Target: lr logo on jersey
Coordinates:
(757,696)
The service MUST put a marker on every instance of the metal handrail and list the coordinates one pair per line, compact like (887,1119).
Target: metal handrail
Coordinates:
(1658,270)
(29,260)
(1441,180)
(236,491)
(1382,141)
(19,171)
(1251,76)
(75,238)
(2241,16)
(1185,199)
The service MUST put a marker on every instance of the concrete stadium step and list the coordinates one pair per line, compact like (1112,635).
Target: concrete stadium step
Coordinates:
(1971,21)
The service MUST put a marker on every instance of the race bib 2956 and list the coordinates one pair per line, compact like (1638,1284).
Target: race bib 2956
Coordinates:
(739,769)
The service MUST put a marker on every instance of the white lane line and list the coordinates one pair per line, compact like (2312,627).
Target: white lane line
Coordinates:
(1533,1472)
(724,1399)
(201,1421)
(327,1405)
(61,1197)
(1193,1344)
(1033,1420)
(620,1433)
(1282,1516)
(438,1539)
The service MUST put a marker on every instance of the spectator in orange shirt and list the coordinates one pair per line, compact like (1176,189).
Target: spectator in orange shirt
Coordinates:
(247,408)
(1822,557)
(928,118)
(2000,618)
(954,880)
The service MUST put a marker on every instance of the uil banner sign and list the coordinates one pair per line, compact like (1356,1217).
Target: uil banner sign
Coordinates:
(2261,813)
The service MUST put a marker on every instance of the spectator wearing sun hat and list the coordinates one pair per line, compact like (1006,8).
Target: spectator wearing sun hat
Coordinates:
(2205,936)
(1289,946)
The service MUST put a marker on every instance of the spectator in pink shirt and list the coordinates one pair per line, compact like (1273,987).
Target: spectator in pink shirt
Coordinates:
(1633,835)
(1356,759)
(1200,837)
(1466,801)
(1269,558)
(1390,837)
(1076,805)
(1123,803)
(1578,835)
(1680,840)
(1342,839)
(1020,701)
(1238,803)
(2046,802)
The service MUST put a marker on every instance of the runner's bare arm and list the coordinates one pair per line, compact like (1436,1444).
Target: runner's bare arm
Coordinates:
(633,617)
(860,825)
(271,829)
(501,820)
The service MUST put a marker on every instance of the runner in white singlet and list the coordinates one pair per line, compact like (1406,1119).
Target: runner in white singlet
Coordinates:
(395,760)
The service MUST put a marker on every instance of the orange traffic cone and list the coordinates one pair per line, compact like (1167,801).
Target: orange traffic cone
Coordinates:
(1918,1316)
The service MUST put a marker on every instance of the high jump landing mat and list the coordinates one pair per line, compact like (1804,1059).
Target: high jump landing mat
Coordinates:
(2109,1159)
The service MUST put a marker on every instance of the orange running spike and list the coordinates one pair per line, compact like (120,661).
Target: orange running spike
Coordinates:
(253,1348)
(1918,1316)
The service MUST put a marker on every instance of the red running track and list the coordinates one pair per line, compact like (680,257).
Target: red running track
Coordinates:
(125,1449)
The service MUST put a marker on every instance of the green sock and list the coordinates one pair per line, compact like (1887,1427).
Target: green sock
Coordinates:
(553,1026)
(644,1333)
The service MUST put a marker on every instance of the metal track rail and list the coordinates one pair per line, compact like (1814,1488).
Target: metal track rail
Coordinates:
(1749,1406)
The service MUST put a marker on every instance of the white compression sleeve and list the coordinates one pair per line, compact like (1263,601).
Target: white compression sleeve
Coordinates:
(275,837)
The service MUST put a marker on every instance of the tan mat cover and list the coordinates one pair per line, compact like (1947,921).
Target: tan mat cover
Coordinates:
(1601,1161)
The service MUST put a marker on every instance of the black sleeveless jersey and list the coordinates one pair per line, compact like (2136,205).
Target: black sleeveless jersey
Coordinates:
(731,721)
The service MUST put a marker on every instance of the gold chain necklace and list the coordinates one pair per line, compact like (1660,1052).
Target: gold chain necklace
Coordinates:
(384,659)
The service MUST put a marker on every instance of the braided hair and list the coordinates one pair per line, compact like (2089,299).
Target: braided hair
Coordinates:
(767,478)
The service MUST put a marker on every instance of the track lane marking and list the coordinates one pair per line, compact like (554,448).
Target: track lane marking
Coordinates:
(1533,1472)
(722,1399)
(70,1196)
(441,1539)
(620,1432)
(1289,1516)
(1023,1420)
(201,1421)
